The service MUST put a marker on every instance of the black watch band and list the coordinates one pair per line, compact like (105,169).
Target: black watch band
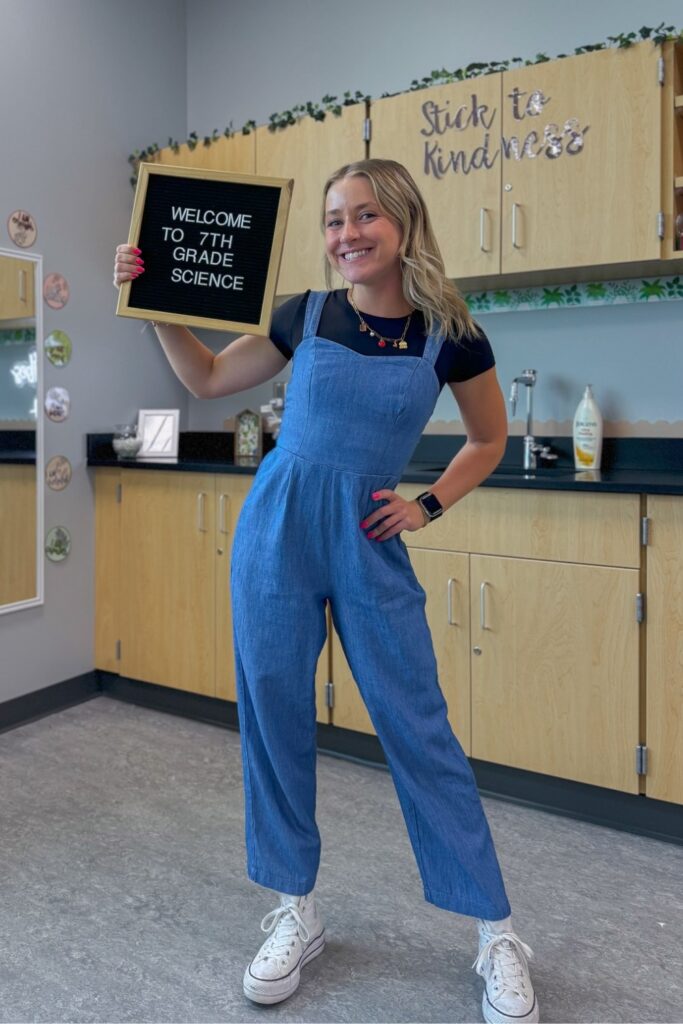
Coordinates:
(430,504)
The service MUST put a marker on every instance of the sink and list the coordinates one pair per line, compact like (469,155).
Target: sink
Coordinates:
(510,472)
(533,474)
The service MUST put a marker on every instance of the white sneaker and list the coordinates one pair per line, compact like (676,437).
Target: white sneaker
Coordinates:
(509,996)
(298,936)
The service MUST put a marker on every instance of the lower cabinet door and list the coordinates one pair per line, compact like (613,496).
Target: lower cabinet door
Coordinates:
(231,490)
(168,570)
(444,577)
(664,714)
(555,668)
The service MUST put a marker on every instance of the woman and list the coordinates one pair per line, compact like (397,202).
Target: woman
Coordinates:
(322,522)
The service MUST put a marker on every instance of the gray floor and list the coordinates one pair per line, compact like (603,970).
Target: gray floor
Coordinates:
(124,896)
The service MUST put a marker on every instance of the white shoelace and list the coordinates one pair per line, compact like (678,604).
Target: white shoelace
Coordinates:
(285,924)
(507,956)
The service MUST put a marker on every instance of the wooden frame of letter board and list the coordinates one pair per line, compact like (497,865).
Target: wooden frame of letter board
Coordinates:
(263,326)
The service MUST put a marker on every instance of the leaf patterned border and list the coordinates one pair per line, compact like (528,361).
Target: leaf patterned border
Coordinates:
(591,293)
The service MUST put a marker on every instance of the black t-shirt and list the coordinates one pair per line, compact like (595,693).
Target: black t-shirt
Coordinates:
(457,360)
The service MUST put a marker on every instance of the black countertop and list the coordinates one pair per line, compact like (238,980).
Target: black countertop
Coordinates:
(632,466)
(18,458)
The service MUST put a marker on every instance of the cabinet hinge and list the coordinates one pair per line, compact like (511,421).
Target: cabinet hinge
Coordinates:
(645,531)
(367,129)
(640,607)
(641,759)
(329,695)
(660,71)
(118,650)
(660,225)
(119,493)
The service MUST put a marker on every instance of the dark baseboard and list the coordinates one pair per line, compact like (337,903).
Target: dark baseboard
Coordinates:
(641,815)
(31,706)
(174,702)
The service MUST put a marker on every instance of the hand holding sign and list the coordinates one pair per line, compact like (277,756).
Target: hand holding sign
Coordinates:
(212,242)
(128,264)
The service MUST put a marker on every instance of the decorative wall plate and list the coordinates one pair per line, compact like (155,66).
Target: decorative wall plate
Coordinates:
(58,473)
(21,227)
(58,348)
(56,291)
(57,543)
(57,404)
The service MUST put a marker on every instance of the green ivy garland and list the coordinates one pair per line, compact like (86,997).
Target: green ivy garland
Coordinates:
(332,105)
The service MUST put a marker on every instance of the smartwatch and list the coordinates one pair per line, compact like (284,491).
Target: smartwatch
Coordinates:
(430,504)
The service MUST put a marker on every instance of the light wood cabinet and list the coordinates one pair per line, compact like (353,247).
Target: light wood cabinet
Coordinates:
(230,492)
(168,572)
(531,604)
(17,288)
(18,580)
(447,137)
(162,588)
(597,200)
(308,151)
(538,654)
(236,154)
(444,577)
(555,669)
(563,170)
(107,487)
(664,707)
(560,165)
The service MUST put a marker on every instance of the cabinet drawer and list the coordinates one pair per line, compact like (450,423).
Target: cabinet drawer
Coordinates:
(562,526)
(449,532)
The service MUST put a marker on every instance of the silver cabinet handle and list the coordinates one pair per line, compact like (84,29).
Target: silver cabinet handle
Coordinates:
(514,226)
(482,221)
(222,527)
(482,605)
(201,508)
(451,581)
(22,286)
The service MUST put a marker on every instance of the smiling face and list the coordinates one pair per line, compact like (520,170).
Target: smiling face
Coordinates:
(361,241)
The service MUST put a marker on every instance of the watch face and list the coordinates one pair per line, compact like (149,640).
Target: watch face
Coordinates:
(432,504)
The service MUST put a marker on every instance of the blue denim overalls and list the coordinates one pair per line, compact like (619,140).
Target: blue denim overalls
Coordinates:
(350,426)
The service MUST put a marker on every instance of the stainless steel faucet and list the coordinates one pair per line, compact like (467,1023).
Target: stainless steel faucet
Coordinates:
(528,379)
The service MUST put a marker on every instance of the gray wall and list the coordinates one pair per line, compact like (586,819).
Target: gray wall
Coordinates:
(248,60)
(91,80)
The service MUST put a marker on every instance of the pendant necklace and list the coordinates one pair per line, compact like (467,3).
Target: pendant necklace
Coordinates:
(382,342)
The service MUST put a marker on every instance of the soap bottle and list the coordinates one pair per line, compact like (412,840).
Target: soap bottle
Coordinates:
(587,433)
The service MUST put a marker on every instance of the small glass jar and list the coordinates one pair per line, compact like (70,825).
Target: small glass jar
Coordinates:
(125,441)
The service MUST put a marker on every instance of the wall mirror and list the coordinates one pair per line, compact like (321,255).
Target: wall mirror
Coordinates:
(21,431)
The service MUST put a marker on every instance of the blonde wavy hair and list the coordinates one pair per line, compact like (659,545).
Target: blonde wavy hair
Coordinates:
(425,284)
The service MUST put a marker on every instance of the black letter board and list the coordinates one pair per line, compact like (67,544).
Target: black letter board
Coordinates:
(212,243)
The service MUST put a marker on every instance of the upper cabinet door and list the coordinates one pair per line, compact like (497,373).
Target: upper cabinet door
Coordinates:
(308,151)
(17,291)
(581,161)
(449,139)
(236,154)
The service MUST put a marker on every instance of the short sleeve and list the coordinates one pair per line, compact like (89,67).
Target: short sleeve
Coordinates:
(468,357)
(287,324)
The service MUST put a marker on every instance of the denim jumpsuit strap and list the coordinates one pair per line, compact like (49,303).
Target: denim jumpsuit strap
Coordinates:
(314,308)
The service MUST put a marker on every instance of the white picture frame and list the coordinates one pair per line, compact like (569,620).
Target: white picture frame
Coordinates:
(158,429)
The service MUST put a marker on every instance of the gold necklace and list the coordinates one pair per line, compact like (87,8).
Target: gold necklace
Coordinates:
(397,342)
